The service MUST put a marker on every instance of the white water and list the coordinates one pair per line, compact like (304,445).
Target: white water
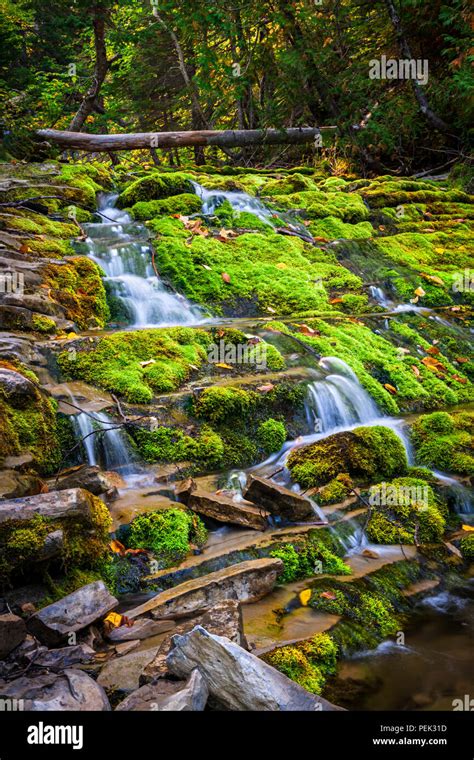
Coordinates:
(120,247)
(240,201)
(104,442)
(462,496)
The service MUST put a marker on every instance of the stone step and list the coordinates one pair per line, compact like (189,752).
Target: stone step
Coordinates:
(245,582)
(236,547)
(265,633)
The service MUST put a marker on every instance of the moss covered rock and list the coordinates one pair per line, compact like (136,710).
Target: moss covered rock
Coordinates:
(155,187)
(365,453)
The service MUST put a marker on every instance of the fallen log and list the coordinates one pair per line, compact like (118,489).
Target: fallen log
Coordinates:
(222,139)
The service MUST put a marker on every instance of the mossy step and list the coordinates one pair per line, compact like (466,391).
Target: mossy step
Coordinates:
(259,619)
(240,545)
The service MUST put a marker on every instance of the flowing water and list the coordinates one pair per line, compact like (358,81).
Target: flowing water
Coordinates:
(241,201)
(121,248)
(429,671)
(104,441)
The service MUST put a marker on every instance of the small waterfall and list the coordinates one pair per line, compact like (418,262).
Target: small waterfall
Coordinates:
(338,400)
(240,201)
(463,500)
(120,247)
(105,443)
(379,296)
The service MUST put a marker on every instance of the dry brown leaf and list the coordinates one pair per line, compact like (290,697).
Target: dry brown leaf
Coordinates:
(223,365)
(419,292)
(391,389)
(265,388)
(433,351)
(415,369)
(433,278)
(306,330)
(225,276)
(462,359)
(460,379)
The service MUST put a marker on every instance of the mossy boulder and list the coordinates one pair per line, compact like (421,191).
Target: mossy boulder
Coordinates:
(309,663)
(445,441)
(70,527)
(28,419)
(366,453)
(155,187)
(77,285)
(405,511)
(167,533)
(185,204)
(138,364)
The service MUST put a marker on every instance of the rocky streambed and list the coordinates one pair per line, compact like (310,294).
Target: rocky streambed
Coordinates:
(236,434)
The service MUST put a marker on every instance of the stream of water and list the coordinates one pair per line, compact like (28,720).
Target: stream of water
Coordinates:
(121,248)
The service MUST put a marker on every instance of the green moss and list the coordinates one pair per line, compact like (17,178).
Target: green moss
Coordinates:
(466,545)
(336,490)
(43,324)
(85,541)
(78,287)
(167,533)
(115,361)
(405,511)
(332,228)
(186,204)
(305,559)
(377,362)
(218,404)
(154,187)
(309,664)
(30,427)
(271,435)
(359,605)
(445,441)
(266,271)
(364,453)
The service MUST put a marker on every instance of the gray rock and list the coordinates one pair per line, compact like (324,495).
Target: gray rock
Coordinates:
(223,509)
(278,500)
(237,680)
(60,659)
(143,628)
(70,690)
(74,612)
(166,696)
(223,619)
(245,582)
(123,673)
(56,505)
(16,388)
(12,633)
(89,477)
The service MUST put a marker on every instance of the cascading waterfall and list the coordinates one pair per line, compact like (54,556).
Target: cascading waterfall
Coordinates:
(463,500)
(121,248)
(240,201)
(104,442)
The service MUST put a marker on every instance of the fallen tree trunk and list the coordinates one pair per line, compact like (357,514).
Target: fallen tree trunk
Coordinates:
(147,140)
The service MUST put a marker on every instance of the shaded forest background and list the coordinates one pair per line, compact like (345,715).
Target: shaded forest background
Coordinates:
(242,64)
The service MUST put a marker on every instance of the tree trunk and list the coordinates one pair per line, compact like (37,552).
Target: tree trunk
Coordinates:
(91,100)
(405,50)
(139,140)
